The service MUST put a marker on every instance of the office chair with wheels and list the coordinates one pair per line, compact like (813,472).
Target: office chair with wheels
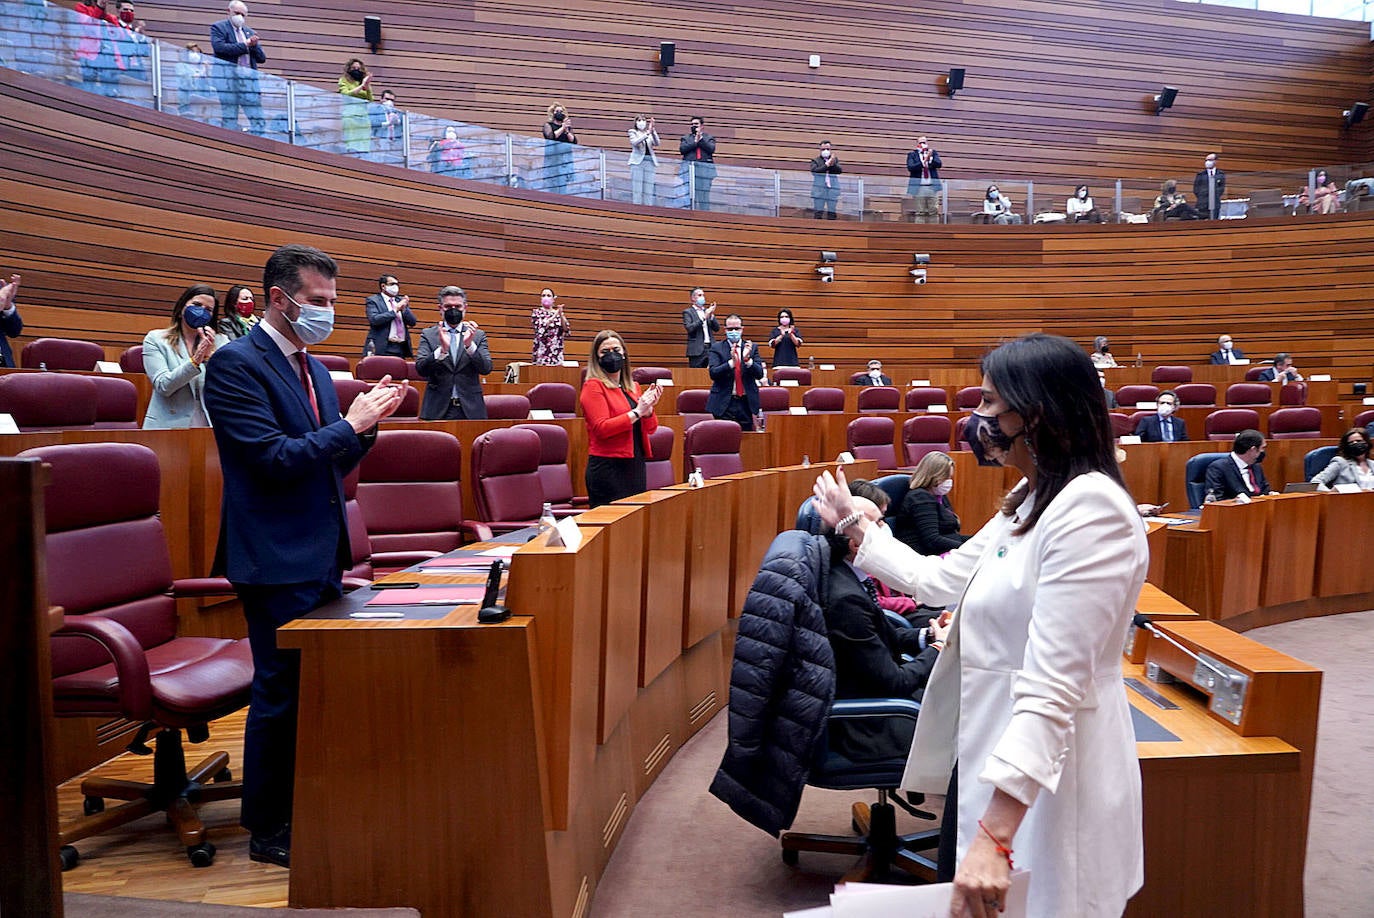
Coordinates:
(1317,459)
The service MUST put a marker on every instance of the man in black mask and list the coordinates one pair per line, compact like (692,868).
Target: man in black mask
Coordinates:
(453,358)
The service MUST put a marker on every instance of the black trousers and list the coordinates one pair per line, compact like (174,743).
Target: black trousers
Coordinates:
(698,361)
(737,410)
(949,832)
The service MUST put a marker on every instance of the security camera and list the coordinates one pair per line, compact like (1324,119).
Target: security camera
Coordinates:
(827,274)
(921,259)
(829,257)
(919,274)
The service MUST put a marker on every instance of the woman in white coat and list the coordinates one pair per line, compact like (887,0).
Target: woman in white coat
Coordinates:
(1026,705)
(643,160)
(174,359)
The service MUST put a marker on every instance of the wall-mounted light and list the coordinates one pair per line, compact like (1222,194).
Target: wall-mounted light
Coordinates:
(814,62)
(1165,99)
(918,273)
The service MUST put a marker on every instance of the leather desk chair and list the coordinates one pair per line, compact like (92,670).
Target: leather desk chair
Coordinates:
(1130,396)
(1253,374)
(1196,395)
(1364,418)
(775,400)
(1121,424)
(658,469)
(117,653)
(116,403)
(1225,423)
(560,398)
(334,363)
(968,398)
(378,365)
(1295,424)
(823,400)
(871,438)
(960,440)
(349,389)
(801,375)
(49,401)
(1317,459)
(647,376)
(131,360)
(926,433)
(507,407)
(712,448)
(409,492)
(554,474)
(879,399)
(366,564)
(1196,473)
(61,354)
(1249,394)
(691,405)
(505,478)
(1171,374)
(920,398)
(1293,394)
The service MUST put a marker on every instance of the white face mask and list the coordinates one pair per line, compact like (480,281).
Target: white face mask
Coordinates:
(314,324)
(944,487)
(238,19)
(700,299)
(194,57)
(1165,409)
(1082,194)
(825,154)
(641,124)
(1226,345)
(391,289)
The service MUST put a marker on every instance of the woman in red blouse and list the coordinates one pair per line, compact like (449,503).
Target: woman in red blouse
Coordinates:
(619,420)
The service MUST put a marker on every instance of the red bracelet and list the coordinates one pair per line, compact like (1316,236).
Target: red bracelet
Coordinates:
(1001,848)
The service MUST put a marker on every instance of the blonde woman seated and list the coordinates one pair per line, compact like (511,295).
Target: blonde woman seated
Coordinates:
(174,359)
(1350,465)
(1172,205)
(926,521)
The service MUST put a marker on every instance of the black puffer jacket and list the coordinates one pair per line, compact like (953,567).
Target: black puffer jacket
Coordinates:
(781,684)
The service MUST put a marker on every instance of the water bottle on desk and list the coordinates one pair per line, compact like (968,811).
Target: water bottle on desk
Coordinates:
(547,520)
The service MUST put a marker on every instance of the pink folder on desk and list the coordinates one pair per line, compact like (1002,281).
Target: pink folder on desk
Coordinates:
(437,595)
(473,561)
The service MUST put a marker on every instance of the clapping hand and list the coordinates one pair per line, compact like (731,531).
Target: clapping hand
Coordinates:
(9,292)
(832,498)
(381,401)
(205,346)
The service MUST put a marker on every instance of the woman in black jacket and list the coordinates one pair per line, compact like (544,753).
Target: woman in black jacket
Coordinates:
(926,521)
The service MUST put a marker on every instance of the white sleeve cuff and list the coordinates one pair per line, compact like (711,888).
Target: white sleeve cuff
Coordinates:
(1008,779)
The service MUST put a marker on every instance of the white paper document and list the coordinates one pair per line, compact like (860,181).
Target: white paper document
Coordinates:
(873,900)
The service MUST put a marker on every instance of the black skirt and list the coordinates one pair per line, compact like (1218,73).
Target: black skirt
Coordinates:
(611,479)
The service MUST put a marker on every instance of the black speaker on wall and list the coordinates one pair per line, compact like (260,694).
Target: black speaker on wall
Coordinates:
(955,81)
(667,56)
(372,31)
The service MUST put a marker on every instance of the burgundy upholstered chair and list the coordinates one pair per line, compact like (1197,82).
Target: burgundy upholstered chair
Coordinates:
(367,564)
(408,488)
(959,442)
(1121,424)
(1137,417)
(879,399)
(1196,395)
(658,468)
(347,390)
(691,405)
(871,438)
(554,474)
(558,397)
(1130,396)
(775,400)
(1225,423)
(647,376)
(378,365)
(117,654)
(60,354)
(116,403)
(49,401)
(505,478)
(1295,424)
(922,397)
(1253,374)
(334,362)
(410,406)
(712,448)
(859,378)
(800,375)
(131,360)
(926,433)
(968,398)
(1171,374)
(1246,395)
(823,400)
(1293,395)
(507,407)
(1364,418)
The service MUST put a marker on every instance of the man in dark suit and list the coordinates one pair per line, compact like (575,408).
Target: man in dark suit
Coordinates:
(700,321)
(1107,394)
(389,320)
(1209,187)
(238,45)
(11,325)
(735,371)
(1225,353)
(875,376)
(283,539)
(923,186)
(1239,473)
(453,359)
(1162,426)
(1282,371)
(698,149)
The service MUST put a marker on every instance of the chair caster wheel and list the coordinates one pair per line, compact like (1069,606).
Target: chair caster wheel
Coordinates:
(92,805)
(202,855)
(69,857)
(223,776)
(790,857)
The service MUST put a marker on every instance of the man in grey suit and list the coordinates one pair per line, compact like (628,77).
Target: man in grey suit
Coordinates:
(700,321)
(453,359)
(1209,187)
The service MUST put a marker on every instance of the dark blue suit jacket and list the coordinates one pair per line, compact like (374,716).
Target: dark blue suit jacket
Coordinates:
(1218,357)
(1151,428)
(1224,481)
(282,518)
(10,327)
(227,48)
(723,379)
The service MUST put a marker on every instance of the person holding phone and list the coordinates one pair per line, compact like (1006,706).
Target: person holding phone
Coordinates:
(735,370)
(453,358)
(620,417)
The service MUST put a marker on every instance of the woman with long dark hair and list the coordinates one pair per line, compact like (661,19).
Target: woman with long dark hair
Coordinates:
(238,318)
(1025,721)
(174,359)
(619,418)
(785,340)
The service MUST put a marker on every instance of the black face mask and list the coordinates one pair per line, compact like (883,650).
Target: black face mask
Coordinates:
(1260,457)
(983,433)
(1106,349)
(1356,449)
(356,75)
(453,316)
(611,361)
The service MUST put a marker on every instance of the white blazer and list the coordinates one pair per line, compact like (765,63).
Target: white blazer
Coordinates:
(1028,695)
(642,144)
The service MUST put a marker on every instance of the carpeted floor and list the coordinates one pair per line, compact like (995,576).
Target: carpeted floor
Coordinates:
(685,854)
(77,905)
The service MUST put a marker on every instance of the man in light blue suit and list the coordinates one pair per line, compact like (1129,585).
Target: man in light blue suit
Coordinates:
(284,450)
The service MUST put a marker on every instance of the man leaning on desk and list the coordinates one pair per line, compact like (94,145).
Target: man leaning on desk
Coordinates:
(1239,475)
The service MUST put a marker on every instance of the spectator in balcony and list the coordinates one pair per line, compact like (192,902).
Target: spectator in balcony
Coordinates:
(98,49)
(446,154)
(238,45)
(11,324)
(551,328)
(785,340)
(698,149)
(134,42)
(1209,187)
(1350,465)
(643,160)
(1282,371)
(923,185)
(356,83)
(825,183)
(1324,197)
(237,315)
(558,154)
(1171,204)
(193,81)
(174,359)
(998,207)
(1080,209)
(1102,353)
(387,132)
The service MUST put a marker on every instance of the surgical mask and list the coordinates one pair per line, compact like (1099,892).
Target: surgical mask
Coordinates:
(944,487)
(194,57)
(196,316)
(611,361)
(784,321)
(699,299)
(389,103)
(450,134)
(641,124)
(1226,345)
(1165,409)
(733,335)
(244,308)
(994,194)
(825,154)
(238,19)
(453,315)
(314,324)
(546,300)
(983,434)
(1082,194)
(391,289)
(875,371)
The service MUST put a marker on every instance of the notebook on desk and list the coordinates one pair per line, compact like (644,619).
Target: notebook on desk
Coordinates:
(1299,487)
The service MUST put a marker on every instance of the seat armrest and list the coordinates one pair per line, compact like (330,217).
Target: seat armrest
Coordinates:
(850,708)
(559,513)
(55,616)
(202,586)
(896,619)
(401,558)
(130,663)
(355,583)
(481,532)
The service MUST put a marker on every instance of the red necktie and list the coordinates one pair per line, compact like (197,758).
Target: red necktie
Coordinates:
(739,373)
(306,382)
(1254,485)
